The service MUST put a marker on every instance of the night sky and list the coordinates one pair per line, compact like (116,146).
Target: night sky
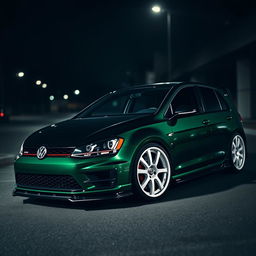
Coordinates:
(75,45)
(93,45)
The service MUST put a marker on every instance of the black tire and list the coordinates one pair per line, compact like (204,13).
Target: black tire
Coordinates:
(164,160)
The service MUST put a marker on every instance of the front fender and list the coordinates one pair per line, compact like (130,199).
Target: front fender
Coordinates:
(137,139)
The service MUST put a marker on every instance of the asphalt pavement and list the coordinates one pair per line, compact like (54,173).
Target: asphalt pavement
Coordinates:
(212,215)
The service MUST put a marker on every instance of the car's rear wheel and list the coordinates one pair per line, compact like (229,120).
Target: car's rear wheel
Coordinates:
(238,152)
(152,172)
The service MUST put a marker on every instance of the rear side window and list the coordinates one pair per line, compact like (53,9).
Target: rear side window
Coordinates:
(211,103)
(185,98)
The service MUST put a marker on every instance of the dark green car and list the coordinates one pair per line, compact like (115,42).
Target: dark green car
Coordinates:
(134,140)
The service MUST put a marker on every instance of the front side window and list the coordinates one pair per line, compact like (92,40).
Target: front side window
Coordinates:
(211,103)
(133,101)
(185,100)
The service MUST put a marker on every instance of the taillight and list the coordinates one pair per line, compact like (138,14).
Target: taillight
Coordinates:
(1,114)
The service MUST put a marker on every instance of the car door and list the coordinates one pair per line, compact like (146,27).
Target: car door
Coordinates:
(217,116)
(189,134)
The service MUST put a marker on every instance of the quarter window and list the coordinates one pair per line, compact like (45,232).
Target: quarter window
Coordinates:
(211,103)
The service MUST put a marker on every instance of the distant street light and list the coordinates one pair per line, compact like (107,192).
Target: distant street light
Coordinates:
(51,98)
(157,9)
(76,92)
(38,82)
(44,85)
(65,96)
(20,74)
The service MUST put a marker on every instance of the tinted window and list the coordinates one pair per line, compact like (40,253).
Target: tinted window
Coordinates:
(185,99)
(132,101)
(147,101)
(114,106)
(223,102)
(211,103)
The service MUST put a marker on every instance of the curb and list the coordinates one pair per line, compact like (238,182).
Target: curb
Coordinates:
(6,160)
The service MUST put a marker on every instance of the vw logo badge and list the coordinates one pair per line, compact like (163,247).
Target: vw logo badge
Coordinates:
(41,152)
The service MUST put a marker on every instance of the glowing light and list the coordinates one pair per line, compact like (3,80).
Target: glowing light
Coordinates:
(51,98)
(156,9)
(76,92)
(44,85)
(20,74)
(65,96)
(38,82)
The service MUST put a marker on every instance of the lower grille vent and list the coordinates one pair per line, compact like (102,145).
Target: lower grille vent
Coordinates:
(43,181)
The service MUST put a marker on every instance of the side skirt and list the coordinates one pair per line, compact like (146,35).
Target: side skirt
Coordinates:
(197,173)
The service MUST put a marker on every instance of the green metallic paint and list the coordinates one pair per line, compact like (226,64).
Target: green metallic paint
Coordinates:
(191,145)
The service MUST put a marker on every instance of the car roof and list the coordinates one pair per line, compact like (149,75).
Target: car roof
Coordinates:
(160,84)
(172,84)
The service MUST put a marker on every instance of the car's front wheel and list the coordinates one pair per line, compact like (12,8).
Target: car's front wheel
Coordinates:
(152,172)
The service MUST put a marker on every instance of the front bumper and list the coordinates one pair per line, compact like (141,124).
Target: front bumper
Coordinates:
(72,179)
(70,197)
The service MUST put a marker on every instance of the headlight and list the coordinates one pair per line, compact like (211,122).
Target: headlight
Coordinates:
(20,152)
(101,148)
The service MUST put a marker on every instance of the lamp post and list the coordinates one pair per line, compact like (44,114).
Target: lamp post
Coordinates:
(157,10)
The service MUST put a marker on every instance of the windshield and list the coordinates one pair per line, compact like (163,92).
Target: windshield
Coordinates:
(136,101)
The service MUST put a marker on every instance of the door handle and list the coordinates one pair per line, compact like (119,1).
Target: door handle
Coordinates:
(229,117)
(205,122)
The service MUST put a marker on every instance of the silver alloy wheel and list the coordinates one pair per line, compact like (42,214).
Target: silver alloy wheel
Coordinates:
(153,172)
(238,152)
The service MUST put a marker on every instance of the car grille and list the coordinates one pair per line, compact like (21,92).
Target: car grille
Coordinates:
(50,151)
(43,181)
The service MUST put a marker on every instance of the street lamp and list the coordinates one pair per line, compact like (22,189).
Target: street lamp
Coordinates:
(51,98)
(44,85)
(157,9)
(20,74)
(65,96)
(76,92)
(38,82)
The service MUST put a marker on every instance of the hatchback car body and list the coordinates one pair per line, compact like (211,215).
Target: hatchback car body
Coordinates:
(134,140)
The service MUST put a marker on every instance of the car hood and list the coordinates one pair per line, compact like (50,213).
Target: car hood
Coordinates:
(77,132)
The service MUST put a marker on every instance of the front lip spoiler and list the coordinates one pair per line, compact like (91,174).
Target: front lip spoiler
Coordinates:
(72,198)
